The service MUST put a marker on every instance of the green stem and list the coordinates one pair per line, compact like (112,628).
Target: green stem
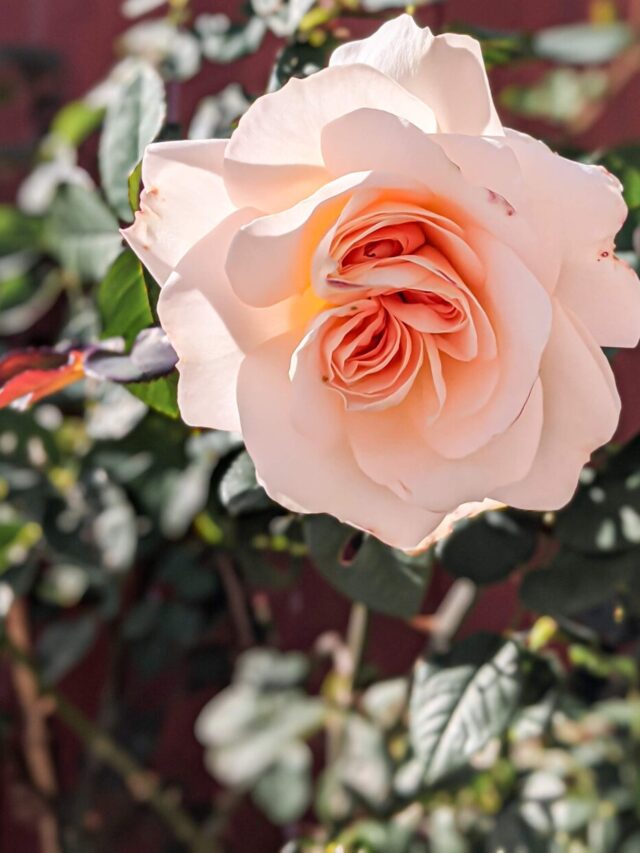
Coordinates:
(141,783)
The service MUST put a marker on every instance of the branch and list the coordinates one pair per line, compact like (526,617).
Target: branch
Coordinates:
(36,738)
(142,784)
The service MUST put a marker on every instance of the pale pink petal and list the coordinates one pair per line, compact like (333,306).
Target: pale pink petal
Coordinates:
(372,139)
(210,328)
(183,199)
(270,257)
(581,410)
(584,203)
(446,526)
(274,157)
(604,293)
(447,72)
(394,454)
(519,311)
(297,475)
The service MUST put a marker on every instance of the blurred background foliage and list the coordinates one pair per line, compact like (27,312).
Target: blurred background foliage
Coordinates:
(184,665)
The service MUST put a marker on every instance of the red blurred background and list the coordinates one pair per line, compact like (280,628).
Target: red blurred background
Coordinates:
(83,33)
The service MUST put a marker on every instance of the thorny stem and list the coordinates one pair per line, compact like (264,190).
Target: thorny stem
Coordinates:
(142,784)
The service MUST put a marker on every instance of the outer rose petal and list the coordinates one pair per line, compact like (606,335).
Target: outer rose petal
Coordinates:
(391,453)
(211,328)
(446,72)
(604,293)
(581,410)
(183,199)
(296,475)
(274,158)
(579,203)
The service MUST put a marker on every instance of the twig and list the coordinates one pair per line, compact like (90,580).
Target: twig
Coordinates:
(143,785)
(36,738)
(443,625)
(347,663)
(236,600)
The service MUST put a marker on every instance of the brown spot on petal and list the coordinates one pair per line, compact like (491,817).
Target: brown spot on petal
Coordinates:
(499,199)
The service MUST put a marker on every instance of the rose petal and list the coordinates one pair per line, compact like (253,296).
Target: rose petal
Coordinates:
(183,199)
(372,139)
(296,475)
(519,311)
(393,454)
(447,72)
(604,293)
(274,157)
(581,410)
(210,328)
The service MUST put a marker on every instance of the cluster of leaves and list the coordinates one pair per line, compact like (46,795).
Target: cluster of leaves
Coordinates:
(119,522)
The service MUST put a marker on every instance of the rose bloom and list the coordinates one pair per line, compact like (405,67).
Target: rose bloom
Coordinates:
(397,301)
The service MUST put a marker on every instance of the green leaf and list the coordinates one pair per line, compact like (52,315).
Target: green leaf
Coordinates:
(133,120)
(247,731)
(488,548)
(573,583)
(283,792)
(123,301)
(133,187)
(583,43)
(363,569)
(459,704)
(604,515)
(63,644)
(270,669)
(17,231)
(240,491)
(160,394)
(76,121)
(82,233)
(364,767)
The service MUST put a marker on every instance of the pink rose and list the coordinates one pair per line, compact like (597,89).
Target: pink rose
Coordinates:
(398,302)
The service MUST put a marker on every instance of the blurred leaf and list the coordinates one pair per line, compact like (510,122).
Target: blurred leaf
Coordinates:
(62,645)
(114,414)
(76,121)
(17,231)
(583,43)
(247,739)
(604,515)
(30,375)
(123,300)
(488,548)
(133,120)
(240,491)
(224,42)
(151,356)
(283,792)
(82,232)
(362,568)
(188,495)
(459,704)
(560,96)
(499,47)
(270,669)
(363,766)
(385,701)
(575,582)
